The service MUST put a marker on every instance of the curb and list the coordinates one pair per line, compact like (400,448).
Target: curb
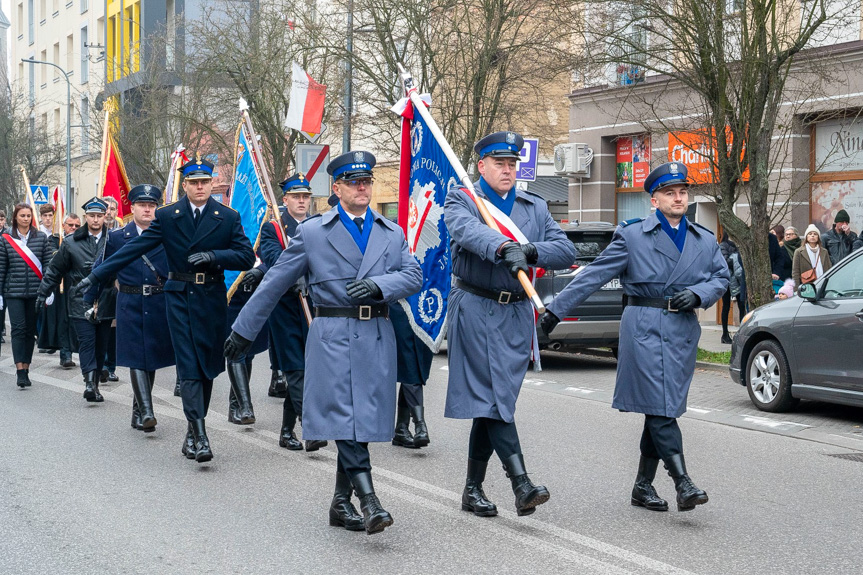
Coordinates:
(720,367)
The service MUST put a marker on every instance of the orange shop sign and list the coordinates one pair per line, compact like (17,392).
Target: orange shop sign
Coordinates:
(697,151)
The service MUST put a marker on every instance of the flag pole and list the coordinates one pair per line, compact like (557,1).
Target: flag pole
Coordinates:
(28,195)
(413,94)
(104,159)
(268,193)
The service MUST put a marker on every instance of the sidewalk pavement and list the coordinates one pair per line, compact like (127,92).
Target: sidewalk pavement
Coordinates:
(711,335)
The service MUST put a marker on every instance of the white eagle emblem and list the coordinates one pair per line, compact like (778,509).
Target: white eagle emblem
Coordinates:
(510,138)
(359,157)
(424,215)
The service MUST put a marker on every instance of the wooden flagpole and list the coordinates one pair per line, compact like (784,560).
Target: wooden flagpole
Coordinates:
(104,159)
(413,94)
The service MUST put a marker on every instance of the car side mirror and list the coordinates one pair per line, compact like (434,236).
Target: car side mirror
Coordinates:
(807,292)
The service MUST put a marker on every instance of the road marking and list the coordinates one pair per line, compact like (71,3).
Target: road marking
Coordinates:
(769,422)
(537,381)
(515,529)
(580,390)
(698,410)
(444,368)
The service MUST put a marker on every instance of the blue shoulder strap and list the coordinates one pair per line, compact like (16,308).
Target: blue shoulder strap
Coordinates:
(630,222)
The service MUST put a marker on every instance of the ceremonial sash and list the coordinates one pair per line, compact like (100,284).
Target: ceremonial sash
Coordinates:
(278,233)
(26,254)
(509,229)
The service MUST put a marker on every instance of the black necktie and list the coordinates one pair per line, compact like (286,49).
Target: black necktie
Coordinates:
(359,223)
(196,213)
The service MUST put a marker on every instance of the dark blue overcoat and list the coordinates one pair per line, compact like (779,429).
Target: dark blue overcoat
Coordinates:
(656,355)
(197,313)
(350,375)
(488,343)
(239,299)
(414,357)
(143,337)
(287,324)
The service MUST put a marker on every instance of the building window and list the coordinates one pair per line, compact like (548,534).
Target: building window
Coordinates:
(55,4)
(85,126)
(632,167)
(43,11)
(84,6)
(31,22)
(85,57)
(21,21)
(56,61)
(390,211)
(31,71)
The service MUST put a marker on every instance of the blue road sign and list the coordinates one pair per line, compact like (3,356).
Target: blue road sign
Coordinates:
(40,194)
(526,169)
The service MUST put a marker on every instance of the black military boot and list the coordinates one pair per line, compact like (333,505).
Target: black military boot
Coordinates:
(527,495)
(233,404)
(203,453)
(342,511)
(402,436)
(143,399)
(688,495)
(278,385)
(473,498)
(177,388)
(643,493)
(375,517)
(189,443)
(315,444)
(91,387)
(421,432)
(239,377)
(136,415)
(288,439)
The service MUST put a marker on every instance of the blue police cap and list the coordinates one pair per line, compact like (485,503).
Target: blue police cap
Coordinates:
(296,184)
(145,193)
(500,145)
(197,169)
(665,175)
(95,205)
(354,164)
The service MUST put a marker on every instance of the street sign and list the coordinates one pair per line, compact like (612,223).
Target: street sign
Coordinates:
(526,168)
(313,138)
(312,160)
(40,194)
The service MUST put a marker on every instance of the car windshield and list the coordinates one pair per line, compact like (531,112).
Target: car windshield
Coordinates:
(589,245)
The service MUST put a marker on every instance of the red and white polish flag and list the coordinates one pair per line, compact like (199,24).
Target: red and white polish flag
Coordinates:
(306,108)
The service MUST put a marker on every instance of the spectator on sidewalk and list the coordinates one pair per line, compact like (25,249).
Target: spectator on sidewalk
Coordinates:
(811,256)
(3,230)
(781,270)
(23,252)
(779,231)
(840,241)
(786,291)
(737,286)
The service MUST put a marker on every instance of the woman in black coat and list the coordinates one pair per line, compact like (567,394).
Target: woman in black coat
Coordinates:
(23,253)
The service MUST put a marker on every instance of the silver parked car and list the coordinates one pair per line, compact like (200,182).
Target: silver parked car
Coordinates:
(809,346)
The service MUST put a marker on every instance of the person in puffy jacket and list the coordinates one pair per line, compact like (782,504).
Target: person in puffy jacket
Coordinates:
(24,250)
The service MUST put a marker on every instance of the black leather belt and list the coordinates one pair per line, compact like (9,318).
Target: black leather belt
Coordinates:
(657,302)
(144,289)
(498,296)
(201,278)
(363,312)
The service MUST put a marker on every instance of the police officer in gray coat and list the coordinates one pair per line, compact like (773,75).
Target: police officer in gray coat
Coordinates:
(668,266)
(356,262)
(490,318)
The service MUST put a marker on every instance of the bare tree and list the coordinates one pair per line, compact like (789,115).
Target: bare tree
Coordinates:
(739,71)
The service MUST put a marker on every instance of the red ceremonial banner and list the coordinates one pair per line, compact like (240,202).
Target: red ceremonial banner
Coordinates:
(115,183)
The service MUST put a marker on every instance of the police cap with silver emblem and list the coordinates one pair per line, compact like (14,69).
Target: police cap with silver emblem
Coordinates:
(145,193)
(197,169)
(95,205)
(296,184)
(353,165)
(500,145)
(666,174)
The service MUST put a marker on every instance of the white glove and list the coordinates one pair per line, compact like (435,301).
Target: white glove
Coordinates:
(50,299)
(1,303)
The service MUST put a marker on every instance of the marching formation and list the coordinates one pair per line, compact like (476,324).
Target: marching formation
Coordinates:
(324,293)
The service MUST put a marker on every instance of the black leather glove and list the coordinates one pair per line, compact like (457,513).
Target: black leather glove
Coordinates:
(252,277)
(514,259)
(547,322)
(202,258)
(236,346)
(362,289)
(530,253)
(685,300)
(40,303)
(84,284)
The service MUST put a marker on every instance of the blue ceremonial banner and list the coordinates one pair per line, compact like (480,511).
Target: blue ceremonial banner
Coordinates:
(426,175)
(247,197)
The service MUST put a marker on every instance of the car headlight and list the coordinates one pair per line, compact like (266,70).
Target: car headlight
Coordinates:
(746,318)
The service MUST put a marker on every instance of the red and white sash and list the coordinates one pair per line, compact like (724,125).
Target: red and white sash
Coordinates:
(20,246)
(510,230)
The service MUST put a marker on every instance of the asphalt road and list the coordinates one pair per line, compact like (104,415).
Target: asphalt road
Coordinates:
(81,492)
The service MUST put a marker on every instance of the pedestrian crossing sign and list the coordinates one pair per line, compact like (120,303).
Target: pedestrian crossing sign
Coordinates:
(40,194)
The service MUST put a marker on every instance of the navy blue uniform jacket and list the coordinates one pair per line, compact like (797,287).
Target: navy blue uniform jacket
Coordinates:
(197,313)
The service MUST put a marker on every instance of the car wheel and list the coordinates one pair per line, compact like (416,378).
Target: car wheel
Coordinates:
(768,379)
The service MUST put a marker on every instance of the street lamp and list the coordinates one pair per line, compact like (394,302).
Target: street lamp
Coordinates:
(68,126)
